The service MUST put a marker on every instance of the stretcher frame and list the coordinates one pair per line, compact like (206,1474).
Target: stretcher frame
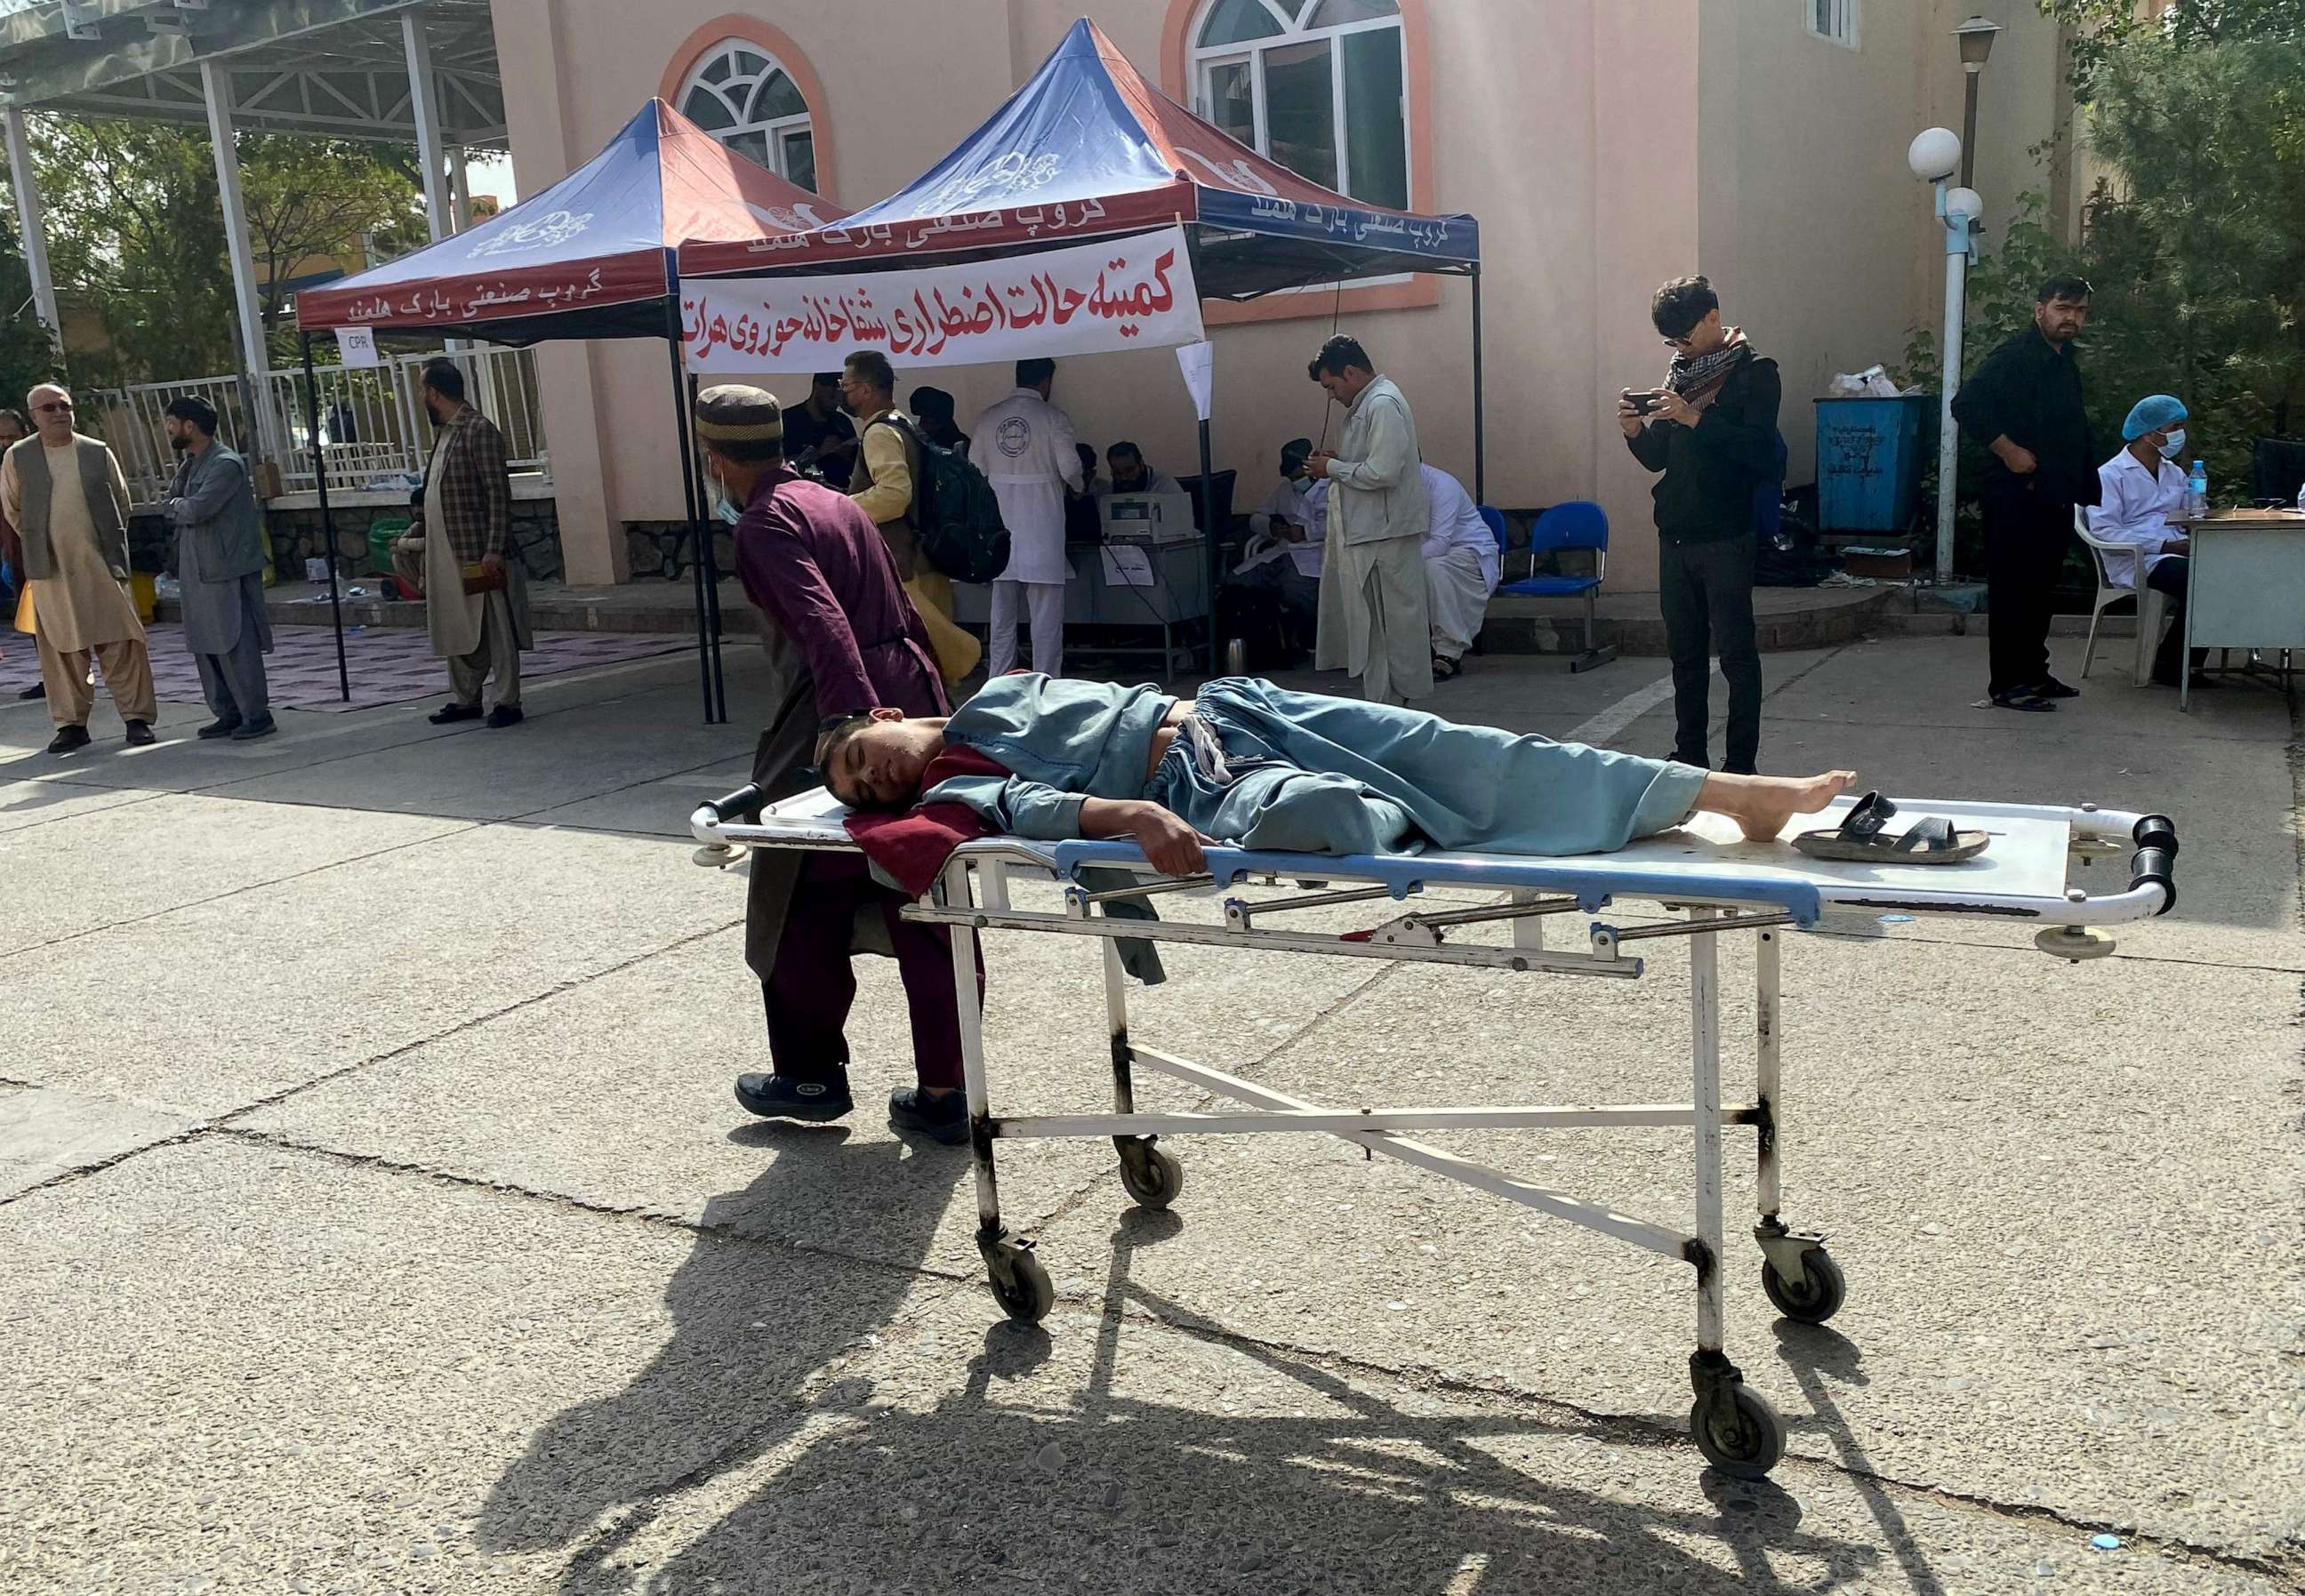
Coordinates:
(1732,887)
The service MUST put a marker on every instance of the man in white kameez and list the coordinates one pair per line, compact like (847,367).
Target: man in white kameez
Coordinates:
(68,500)
(1376,619)
(1026,447)
(220,563)
(1462,563)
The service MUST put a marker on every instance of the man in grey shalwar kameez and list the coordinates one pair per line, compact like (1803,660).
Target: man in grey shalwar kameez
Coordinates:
(220,562)
(1375,619)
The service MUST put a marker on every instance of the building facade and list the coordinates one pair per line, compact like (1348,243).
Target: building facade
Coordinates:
(1606,145)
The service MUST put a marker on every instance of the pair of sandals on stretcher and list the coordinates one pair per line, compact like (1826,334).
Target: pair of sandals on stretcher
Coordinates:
(1861,838)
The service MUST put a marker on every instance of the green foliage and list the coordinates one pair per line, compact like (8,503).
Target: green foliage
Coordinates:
(2105,29)
(2197,253)
(135,229)
(27,355)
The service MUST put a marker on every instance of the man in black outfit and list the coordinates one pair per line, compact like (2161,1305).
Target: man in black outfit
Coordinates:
(2024,406)
(1711,430)
(817,435)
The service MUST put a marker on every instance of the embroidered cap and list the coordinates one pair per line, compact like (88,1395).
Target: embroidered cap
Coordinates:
(735,413)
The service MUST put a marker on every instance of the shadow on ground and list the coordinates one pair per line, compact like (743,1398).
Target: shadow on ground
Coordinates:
(1018,1473)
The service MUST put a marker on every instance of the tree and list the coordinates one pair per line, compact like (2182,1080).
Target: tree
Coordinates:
(309,197)
(2103,29)
(135,227)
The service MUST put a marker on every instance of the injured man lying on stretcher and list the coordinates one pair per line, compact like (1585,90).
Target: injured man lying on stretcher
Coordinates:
(1255,766)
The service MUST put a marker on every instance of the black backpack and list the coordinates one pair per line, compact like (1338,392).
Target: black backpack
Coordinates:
(955,512)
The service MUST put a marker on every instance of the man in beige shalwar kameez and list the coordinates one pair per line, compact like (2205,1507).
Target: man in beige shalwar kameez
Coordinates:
(1375,617)
(68,500)
(461,542)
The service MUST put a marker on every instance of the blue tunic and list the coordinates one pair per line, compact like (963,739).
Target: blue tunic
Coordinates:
(1304,773)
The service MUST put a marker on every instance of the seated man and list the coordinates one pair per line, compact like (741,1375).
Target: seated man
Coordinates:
(1130,474)
(1250,764)
(2138,491)
(1283,556)
(1462,563)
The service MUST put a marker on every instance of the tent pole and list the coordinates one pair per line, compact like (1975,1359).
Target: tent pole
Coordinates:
(328,521)
(1480,404)
(1209,532)
(712,578)
(704,640)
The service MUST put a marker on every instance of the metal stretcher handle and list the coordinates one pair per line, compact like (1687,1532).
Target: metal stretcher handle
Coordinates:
(2155,862)
(743,801)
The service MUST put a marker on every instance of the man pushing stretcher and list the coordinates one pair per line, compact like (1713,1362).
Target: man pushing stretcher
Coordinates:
(1258,766)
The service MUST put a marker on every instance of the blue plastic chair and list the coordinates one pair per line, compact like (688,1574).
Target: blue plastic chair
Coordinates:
(1578,524)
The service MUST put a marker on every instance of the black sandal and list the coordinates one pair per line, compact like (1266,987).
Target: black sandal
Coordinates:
(1446,670)
(2031,702)
(1861,839)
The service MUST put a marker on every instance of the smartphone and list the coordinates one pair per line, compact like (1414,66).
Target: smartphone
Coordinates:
(1643,401)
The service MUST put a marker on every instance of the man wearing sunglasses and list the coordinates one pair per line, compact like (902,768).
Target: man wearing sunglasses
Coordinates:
(65,495)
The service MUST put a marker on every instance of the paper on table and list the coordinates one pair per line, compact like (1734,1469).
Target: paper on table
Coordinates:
(1127,566)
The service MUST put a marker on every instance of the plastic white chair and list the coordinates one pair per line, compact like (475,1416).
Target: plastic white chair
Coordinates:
(2150,603)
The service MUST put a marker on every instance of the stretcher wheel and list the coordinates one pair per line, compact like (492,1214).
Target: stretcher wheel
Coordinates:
(1814,1297)
(1748,1446)
(1030,1293)
(1152,1177)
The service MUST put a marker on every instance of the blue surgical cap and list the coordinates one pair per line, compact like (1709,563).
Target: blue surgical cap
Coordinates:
(2152,413)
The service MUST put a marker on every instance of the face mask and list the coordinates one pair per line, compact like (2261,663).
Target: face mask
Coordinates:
(724,508)
(2173,444)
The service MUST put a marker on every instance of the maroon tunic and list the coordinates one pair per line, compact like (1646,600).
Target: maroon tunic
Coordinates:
(820,570)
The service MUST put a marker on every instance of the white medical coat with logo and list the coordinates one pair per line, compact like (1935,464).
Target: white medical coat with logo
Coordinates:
(1026,446)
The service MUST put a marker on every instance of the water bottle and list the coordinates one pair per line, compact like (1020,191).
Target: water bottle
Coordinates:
(2197,490)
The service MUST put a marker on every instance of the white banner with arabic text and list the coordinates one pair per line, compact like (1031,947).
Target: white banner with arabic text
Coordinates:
(1134,292)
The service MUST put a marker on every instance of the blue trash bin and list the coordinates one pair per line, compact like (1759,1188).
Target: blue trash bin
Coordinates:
(1870,457)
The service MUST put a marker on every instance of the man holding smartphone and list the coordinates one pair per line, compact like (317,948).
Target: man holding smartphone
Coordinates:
(1711,433)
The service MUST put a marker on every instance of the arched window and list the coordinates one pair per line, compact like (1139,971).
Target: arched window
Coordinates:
(1316,84)
(743,97)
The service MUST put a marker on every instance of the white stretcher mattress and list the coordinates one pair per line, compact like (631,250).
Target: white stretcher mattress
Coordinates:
(2022,872)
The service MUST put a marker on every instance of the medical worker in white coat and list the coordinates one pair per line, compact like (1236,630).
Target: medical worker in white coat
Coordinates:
(1026,445)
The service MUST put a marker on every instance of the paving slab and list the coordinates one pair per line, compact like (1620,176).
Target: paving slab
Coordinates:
(1983,1135)
(27,803)
(119,862)
(45,1134)
(1109,1453)
(617,1091)
(234,1366)
(210,1007)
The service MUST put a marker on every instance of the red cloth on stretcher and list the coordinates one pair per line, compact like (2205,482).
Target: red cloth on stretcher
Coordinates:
(912,848)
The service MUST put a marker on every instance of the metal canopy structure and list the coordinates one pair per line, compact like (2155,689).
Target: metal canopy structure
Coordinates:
(338,68)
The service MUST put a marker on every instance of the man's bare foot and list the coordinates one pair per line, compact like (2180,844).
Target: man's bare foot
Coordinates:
(1762,804)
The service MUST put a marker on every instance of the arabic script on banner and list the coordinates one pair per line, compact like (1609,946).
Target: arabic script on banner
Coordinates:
(1134,292)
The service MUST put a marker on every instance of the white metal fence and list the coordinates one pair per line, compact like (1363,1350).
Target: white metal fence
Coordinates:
(373,429)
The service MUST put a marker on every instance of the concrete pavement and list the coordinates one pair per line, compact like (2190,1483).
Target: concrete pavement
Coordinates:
(376,1218)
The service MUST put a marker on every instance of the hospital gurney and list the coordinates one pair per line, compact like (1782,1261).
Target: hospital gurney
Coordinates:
(1717,882)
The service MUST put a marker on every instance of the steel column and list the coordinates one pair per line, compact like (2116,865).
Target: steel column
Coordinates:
(215,86)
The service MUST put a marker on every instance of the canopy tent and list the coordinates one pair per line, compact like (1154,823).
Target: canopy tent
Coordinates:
(592,257)
(1089,149)
(1088,146)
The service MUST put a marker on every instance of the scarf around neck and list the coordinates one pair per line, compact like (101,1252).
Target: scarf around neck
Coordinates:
(1699,380)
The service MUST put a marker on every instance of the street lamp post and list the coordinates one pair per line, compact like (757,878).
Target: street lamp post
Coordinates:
(1935,157)
(1976,36)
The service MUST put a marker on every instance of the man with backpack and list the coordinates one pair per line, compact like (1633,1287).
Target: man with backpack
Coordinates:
(1026,446)
(1711,432)
(889,484)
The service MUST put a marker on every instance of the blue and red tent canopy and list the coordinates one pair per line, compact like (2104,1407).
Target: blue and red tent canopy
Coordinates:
(1088,146)
(591,257)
